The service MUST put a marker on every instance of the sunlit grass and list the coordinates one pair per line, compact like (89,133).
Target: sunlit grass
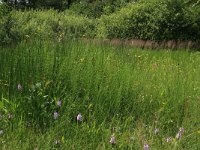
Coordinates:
(123,91)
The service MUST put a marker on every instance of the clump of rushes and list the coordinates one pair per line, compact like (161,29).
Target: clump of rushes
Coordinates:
(79,117)
(180,133)
(55,114)
(146,146)
(108,81)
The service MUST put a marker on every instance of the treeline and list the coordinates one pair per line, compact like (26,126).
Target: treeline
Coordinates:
(65,4)
(153,20)
(22,4)
(125,19)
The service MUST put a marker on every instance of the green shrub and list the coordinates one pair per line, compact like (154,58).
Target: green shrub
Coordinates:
(6,25)
(177,20)
(194,30)
(51,24)
(137,20)
(95,9)
(152,20)
(91,10)
(148,20)
(78,25)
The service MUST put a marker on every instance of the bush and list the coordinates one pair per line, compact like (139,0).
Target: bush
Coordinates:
(96,9)
(50,24)
(194,30)
(152,20)
(137,20)
(6,25)
(148,20)
(91,10)
(177,21)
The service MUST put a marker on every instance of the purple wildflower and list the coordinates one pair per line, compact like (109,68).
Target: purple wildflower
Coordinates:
(1,116)
(180,133)
(55,115)
(33,88)
(79,117)
(168,139)
(156,131)
(10,116)
(38,85)
(181,130)
(59,102)
(146,147)
(36,148)
(19,87)
(1,132)
(112,140)
(57,142)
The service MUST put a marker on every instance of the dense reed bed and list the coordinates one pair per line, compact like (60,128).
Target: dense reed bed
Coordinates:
(76,95)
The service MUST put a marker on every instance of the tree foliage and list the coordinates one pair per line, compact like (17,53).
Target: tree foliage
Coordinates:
(154,20)
(61,4)
(124,19)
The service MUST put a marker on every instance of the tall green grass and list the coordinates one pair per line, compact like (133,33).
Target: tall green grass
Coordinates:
(123,91)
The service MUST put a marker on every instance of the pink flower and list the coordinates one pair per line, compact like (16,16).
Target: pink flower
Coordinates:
(1,132)
(156,131)
(36,148)
(1,116)
(55,115)
(146,147)
(180,133)
(10,116)
(79,117)
(57,142)
(19,87)
(112,140)
(168,139)
(59,102)
(181,130)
